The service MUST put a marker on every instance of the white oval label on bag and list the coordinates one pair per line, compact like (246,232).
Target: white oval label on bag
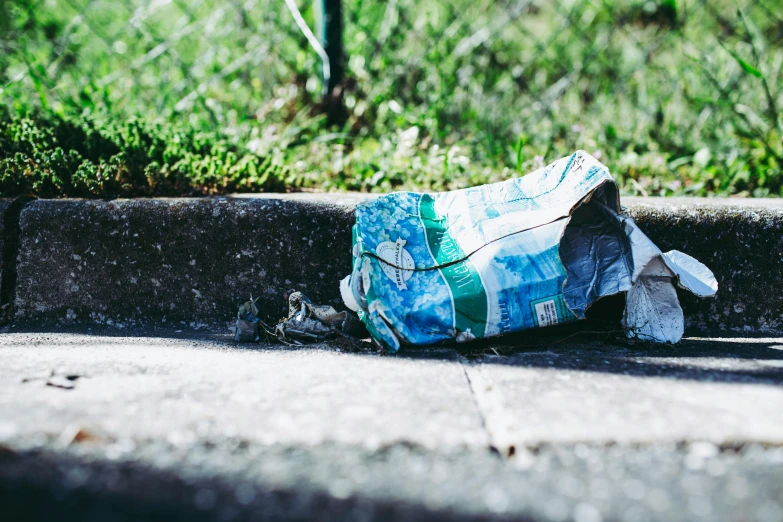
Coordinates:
(399,263)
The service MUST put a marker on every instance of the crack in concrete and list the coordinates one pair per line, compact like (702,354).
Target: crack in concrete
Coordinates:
(491,406)
(496,417)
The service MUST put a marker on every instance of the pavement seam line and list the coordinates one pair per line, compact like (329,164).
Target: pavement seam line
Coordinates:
(490,404)
(11,236)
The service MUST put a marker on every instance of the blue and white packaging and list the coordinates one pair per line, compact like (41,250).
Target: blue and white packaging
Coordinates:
(529,252)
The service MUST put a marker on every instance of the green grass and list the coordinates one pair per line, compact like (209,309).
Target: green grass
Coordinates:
(207,96)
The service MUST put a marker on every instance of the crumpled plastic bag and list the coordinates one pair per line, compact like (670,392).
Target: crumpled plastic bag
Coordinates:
(529,252)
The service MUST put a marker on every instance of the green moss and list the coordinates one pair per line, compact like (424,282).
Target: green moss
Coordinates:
(51,156)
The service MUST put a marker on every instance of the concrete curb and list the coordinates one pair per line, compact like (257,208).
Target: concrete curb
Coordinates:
(190,262)
(4,205)
(175,261)
(742,243)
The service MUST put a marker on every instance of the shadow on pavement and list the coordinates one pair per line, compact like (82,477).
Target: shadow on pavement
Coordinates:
(41,485)
(750,360)
(590,346)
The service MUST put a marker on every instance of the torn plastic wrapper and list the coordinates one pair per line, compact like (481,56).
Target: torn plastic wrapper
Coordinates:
(311,322)
(305,322)
(528,252)
(247,326)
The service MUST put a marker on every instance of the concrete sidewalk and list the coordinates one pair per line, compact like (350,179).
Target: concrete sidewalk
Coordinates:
(183,426)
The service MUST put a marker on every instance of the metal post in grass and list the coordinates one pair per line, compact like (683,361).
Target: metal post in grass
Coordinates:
(332,41)
(329,17)
(334,77)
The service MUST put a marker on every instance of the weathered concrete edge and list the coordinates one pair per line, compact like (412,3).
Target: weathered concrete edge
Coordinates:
(741,240)
(4,206)
(10,210)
